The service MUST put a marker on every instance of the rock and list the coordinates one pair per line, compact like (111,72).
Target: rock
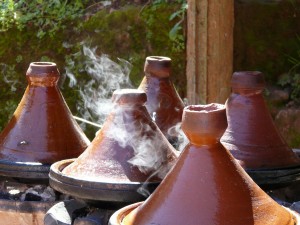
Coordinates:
(95,218)
(288,124)
(62,213)
(279,96)
(48,195)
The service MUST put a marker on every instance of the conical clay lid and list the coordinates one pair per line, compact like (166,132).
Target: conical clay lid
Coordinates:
(207,186)
(163,102)
(42,128)
(251,135)
(129,147)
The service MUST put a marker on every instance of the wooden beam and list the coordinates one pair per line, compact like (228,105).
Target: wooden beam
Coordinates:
(209,50)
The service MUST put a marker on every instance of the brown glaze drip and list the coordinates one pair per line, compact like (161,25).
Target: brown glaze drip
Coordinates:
(207,186)
(42,128)
(251,136)
(110,156)
(163,104)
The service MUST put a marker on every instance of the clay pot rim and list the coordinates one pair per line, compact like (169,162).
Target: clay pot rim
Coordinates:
(158,66)
(204,109)
(42,69)
(31,170)
(57,168)
(295,214)
(95,190)
(158,58)
(42,64)
(247,80)
(129,96)
(118,216)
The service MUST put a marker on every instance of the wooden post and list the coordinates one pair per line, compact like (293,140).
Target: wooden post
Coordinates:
(209,50)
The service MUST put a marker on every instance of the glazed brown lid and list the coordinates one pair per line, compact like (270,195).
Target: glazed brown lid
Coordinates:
(42,128)
(204,123)
(158,66)
(207,186)
(163,102)
(251,135)
(129,147)
(247,80)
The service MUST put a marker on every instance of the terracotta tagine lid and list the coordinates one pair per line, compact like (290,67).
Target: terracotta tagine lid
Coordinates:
(163,102)
(251,135)
(129,149)
(206,186)
(42,129)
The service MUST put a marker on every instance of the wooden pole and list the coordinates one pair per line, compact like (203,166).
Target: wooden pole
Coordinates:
(209,50)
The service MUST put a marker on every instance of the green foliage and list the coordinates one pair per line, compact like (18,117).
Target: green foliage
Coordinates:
(6,14)
(48,16)
(264,46)
(129,33)
(291,80)
(176,33)
(10,88)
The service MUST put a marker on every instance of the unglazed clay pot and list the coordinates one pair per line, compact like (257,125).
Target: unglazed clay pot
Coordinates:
(251,135)
(206,186)
(163,102)
(128,151)
(42,129)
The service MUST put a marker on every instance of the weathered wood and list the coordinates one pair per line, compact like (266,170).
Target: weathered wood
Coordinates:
(209,50)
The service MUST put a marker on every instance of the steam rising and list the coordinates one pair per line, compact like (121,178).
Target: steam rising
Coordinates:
(177,133)
(104,76)
(8,76)
(151,149)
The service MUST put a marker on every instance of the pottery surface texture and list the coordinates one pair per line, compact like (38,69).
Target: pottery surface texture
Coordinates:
(251,135)
(42,128)
(129,147)
(206,186)
(163,102)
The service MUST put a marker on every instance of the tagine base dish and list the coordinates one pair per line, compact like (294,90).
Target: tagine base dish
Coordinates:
(97,193)
(275,178)
(26,170)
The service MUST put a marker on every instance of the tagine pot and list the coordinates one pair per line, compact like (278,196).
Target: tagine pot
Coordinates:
(251,135)
(206,186)
(41,130)
(163,102)
(128,156)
